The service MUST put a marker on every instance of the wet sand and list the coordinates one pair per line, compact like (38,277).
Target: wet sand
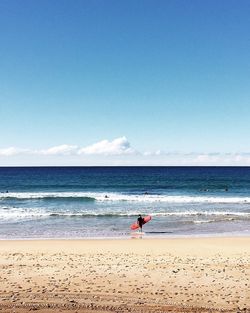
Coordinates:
(136,275)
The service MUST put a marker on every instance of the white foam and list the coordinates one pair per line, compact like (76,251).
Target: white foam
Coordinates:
(19,214)
(205,213)
(117,197)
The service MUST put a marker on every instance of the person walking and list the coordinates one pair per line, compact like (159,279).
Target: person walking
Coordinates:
(140,222)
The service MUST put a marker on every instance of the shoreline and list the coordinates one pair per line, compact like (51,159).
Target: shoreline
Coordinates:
(145,236)
(151,275)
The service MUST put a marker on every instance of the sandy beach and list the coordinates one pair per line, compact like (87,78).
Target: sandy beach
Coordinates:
(136,275)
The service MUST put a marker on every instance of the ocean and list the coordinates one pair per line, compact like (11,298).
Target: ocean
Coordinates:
(102,202)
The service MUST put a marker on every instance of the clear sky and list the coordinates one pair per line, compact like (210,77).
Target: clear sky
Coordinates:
(149,77)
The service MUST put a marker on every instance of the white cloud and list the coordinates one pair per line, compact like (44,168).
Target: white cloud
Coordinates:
(118,146)
(154,153)
(120,152)
(207,159)
(195,159)
(221,159)
(12,151)
(59,150)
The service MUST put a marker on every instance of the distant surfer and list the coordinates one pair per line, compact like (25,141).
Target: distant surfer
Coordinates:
(106,197)
(140,222)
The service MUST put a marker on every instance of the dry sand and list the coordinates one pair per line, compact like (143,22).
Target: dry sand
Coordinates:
(139,275)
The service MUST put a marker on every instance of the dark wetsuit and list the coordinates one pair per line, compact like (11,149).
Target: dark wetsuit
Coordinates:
(140,221)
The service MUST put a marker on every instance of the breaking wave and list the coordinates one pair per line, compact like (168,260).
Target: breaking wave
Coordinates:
(118,197)
(18,214)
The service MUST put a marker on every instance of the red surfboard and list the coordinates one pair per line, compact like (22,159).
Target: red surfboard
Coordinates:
(145,220)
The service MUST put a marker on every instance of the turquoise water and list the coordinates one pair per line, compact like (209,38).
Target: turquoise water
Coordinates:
(90,202)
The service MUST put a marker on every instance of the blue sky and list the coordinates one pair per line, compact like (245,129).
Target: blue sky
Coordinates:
(172,77)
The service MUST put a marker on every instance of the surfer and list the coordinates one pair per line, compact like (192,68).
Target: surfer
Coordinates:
(140,221)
